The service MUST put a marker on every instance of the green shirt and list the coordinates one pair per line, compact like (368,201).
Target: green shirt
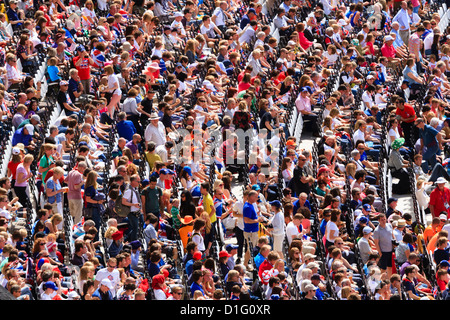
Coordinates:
(152,197)
(45,162)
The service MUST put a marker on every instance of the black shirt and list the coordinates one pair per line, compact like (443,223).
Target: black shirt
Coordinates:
(298,186)
(62,98)
(266,117)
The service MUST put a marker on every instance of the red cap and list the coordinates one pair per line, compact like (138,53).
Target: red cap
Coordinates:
(165,273)
(223,253)
(197,255)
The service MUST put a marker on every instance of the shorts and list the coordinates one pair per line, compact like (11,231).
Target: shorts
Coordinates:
(278,243)
(385,260)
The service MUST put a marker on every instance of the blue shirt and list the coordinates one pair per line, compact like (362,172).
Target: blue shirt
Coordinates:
(258,260)
(53,73)
(54,186)
(250,212)
(297,205)
(195,287)
(20,137)
(126,129)
(244,22)
(73,86)
(428,134)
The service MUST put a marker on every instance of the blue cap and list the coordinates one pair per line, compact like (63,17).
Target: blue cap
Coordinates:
(256,187)
(307,88)
(145,182)
(50,285)
(444,263)
(275,203)
(135,244)
(363,220)
(81,48)
(164,171)
(170,171)
(251,10)
(230,247)
(188,170)
(367,207)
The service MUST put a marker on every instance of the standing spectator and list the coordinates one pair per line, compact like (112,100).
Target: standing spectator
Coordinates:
(382,237)
(75,180)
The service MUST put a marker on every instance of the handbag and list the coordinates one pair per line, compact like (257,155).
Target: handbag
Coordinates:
(87,213)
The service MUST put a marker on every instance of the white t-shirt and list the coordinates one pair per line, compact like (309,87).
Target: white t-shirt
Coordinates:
(209,31)
(238,207)
(198,239)
(113,276)
(220,16)
(331,226)
(358,135)
(393,133)
(428,41)
(112,80)
(247,35)
(87,13)
(291,230)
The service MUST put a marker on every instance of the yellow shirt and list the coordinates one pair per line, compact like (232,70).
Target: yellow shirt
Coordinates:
(207,203)
(151,159)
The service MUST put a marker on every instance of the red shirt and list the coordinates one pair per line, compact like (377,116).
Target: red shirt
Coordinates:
(408,111)
(84,69)
(265,265)
(388,51)
(437,199)
(12,166)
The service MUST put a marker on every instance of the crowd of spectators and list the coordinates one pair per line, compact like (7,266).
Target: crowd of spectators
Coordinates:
(156,149)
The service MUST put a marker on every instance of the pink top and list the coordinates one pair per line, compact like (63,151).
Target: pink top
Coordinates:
(305,43)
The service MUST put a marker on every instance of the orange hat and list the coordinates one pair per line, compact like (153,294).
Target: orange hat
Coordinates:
(291,143)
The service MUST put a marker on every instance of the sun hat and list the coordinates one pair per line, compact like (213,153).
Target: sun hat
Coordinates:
(187,220)
(397,143)
(153,116)
(440,180)
(401,223)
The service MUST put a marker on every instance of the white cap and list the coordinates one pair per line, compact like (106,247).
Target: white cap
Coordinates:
(443,217)
(106,282)
(367,230)
(178,14)
(388,38)
(15,151)
(72,295)
(30,128)
(5,213)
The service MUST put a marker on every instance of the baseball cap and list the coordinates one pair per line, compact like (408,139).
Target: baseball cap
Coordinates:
(5,213)
(106,282)
(367,230)
(367,207)
(230,247)
(443,216)
(251,10)
(117,235)
(51,285)
(15,151)
(256,187)
(291,143)
(178,14)
(188,170)
(135,244)
(197,255)
(63,83)
(163,171)
(29,128)
(363,220)
(275,203)
(388,38)
(392,199)
(35,117)
(309,287)
(73,295)
(223,253)
(309,256)
(444,263)
(307,88)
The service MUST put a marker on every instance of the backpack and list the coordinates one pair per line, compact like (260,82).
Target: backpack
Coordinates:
(121,209)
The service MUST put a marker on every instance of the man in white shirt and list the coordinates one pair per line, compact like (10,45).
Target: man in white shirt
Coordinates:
(292,229)
(364,245)
(248,33)
(111,273)
(155,131)
(428,41)
(132,199)
(404,20)
(219,16)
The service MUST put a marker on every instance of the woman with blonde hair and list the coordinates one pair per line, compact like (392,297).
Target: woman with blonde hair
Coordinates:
(114,89)
(108,235)
(87,272)
(54,224)
(350,170)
